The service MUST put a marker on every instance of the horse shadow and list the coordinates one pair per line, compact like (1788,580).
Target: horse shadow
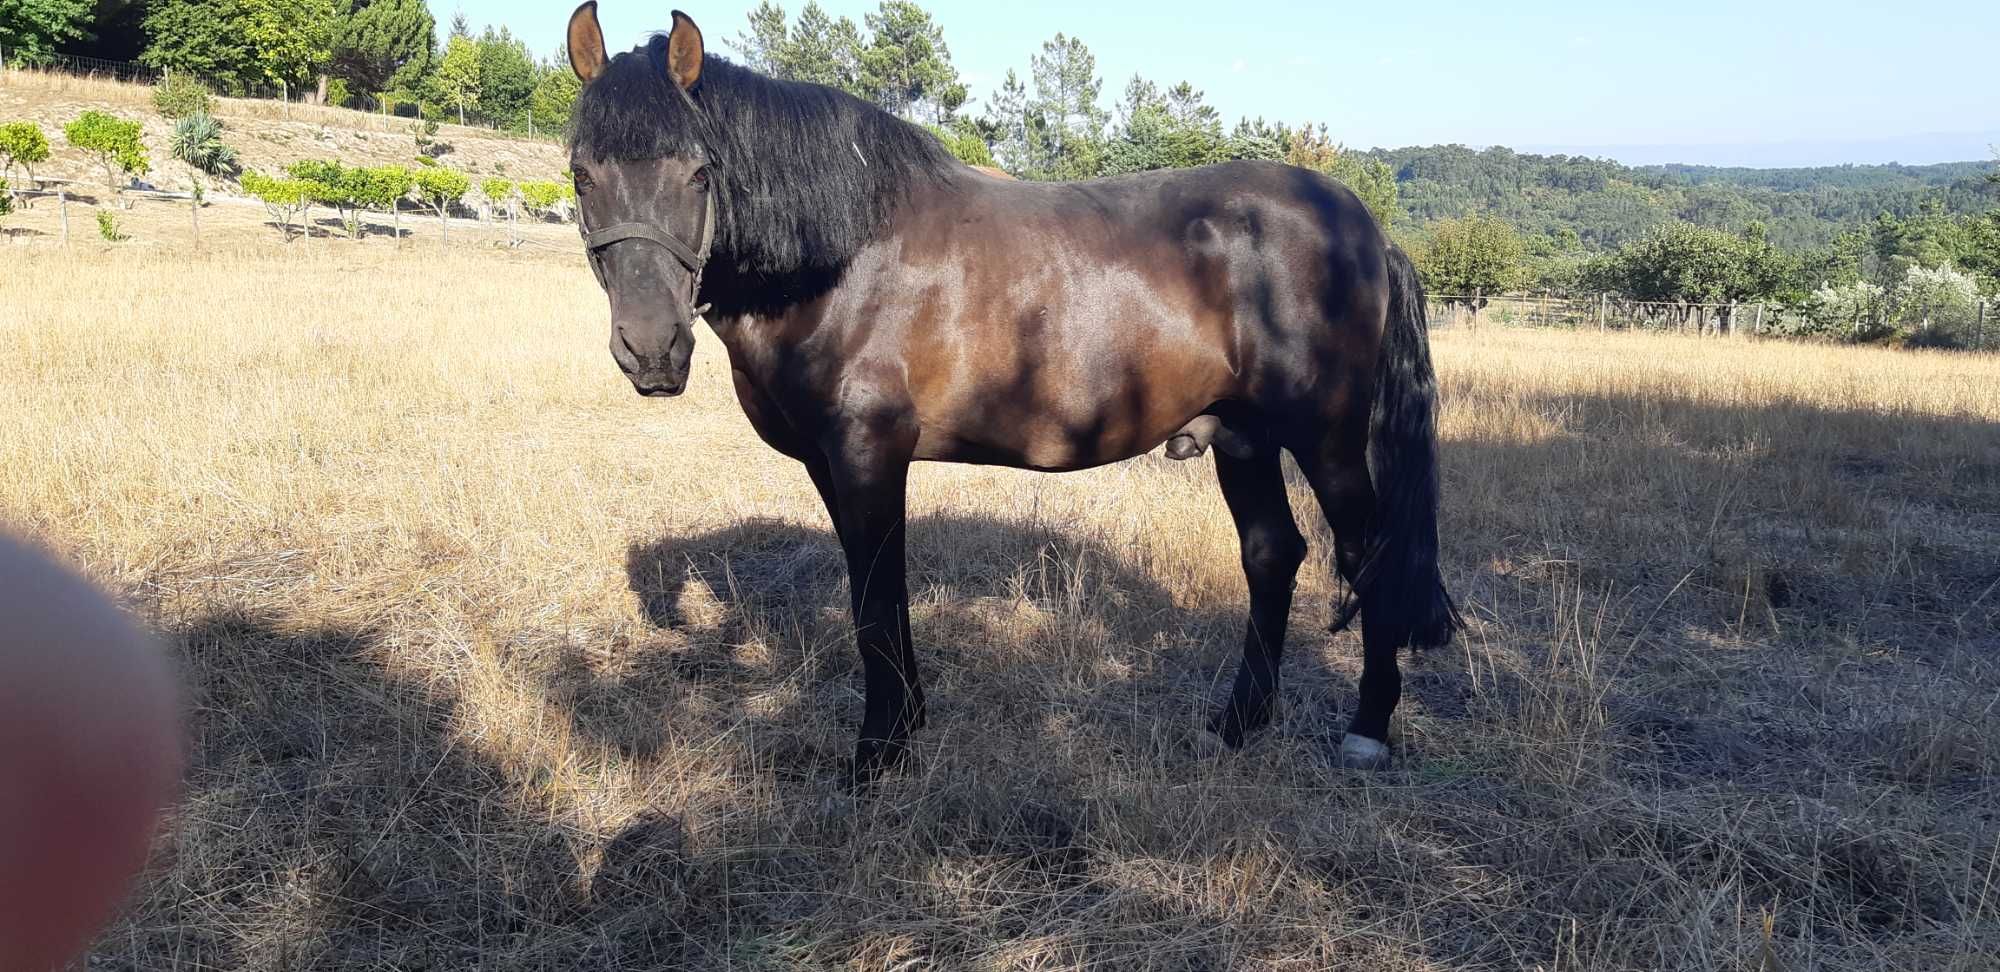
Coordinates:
(1022,628)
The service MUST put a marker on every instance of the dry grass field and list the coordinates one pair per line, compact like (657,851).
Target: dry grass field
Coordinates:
(493,664)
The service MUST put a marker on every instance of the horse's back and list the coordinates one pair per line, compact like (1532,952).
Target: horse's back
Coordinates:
(1063,325)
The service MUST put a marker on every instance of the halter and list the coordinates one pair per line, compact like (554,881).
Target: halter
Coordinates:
(693,258)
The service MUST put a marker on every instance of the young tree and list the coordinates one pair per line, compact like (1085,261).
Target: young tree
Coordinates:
(22,143)
(197,143)
(351,189)
(456,81)
(499,199)
(285,199)
(541,198)
(438,188)
(113,142)
(373,41)
(31,30)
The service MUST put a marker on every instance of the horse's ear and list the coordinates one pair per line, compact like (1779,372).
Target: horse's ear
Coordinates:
(684,51)
(586,43)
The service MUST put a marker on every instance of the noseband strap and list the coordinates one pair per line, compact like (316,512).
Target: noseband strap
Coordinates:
(693,258)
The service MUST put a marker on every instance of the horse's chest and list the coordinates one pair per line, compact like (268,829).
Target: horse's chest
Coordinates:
(769,420)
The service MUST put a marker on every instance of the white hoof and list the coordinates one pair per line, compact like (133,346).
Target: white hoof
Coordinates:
(1363,753)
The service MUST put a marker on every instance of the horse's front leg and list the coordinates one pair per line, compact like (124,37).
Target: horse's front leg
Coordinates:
(868,472)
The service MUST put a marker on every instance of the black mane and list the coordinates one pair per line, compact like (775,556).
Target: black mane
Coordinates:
(808,174)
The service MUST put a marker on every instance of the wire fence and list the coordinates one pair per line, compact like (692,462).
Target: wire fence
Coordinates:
(1976,327)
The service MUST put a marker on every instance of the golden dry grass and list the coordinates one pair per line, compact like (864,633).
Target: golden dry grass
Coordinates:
(495,665)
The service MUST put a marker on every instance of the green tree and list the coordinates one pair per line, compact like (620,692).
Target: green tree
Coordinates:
(1475,257)
(1259,139)
(31,30)
(556,88)
(291,41)
(285,199)
(376,44)
(22,143)
(506,78)
(197,143)
(112,142)
(1174,129)
(906,66)
(762,45)
(818,49)
(1371,179)
(1063,127)
(1684,263)
(438,188)
(456,80)
(203,37)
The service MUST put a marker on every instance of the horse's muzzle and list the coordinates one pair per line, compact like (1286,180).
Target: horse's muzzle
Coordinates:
(665,389)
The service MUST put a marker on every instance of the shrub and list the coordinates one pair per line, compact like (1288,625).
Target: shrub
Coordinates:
(1937,306)
(179,95)
(337,93)
(107,227)
(6,199)
(22,143)
(114,142)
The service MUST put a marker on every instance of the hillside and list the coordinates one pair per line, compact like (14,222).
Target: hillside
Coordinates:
(267,135)
(1607,204)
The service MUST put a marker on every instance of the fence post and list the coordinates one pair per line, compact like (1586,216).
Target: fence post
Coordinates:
(285,99)
(62,207)
(1979,341)
(1757,325)
(1603,311)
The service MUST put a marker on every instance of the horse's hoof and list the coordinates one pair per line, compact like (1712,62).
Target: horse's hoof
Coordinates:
(1363,753)
(1184,447)
(874,757)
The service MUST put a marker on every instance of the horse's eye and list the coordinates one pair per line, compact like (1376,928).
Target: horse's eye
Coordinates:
(699,180)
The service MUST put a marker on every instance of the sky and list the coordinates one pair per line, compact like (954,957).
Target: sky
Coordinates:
(1745,83)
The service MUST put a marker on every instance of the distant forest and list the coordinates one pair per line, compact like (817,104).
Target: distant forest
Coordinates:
(1608,205)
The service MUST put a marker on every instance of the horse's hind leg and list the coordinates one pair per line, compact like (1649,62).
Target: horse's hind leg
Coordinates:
(1337,468)
(1254,488)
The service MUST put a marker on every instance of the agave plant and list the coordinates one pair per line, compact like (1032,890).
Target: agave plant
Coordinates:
(197,143)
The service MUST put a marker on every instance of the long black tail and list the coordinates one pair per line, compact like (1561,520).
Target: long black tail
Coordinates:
(1400,587)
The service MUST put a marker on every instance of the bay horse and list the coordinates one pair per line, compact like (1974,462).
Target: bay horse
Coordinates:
(882,304)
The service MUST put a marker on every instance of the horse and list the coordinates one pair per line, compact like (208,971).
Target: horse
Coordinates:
(882,304)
